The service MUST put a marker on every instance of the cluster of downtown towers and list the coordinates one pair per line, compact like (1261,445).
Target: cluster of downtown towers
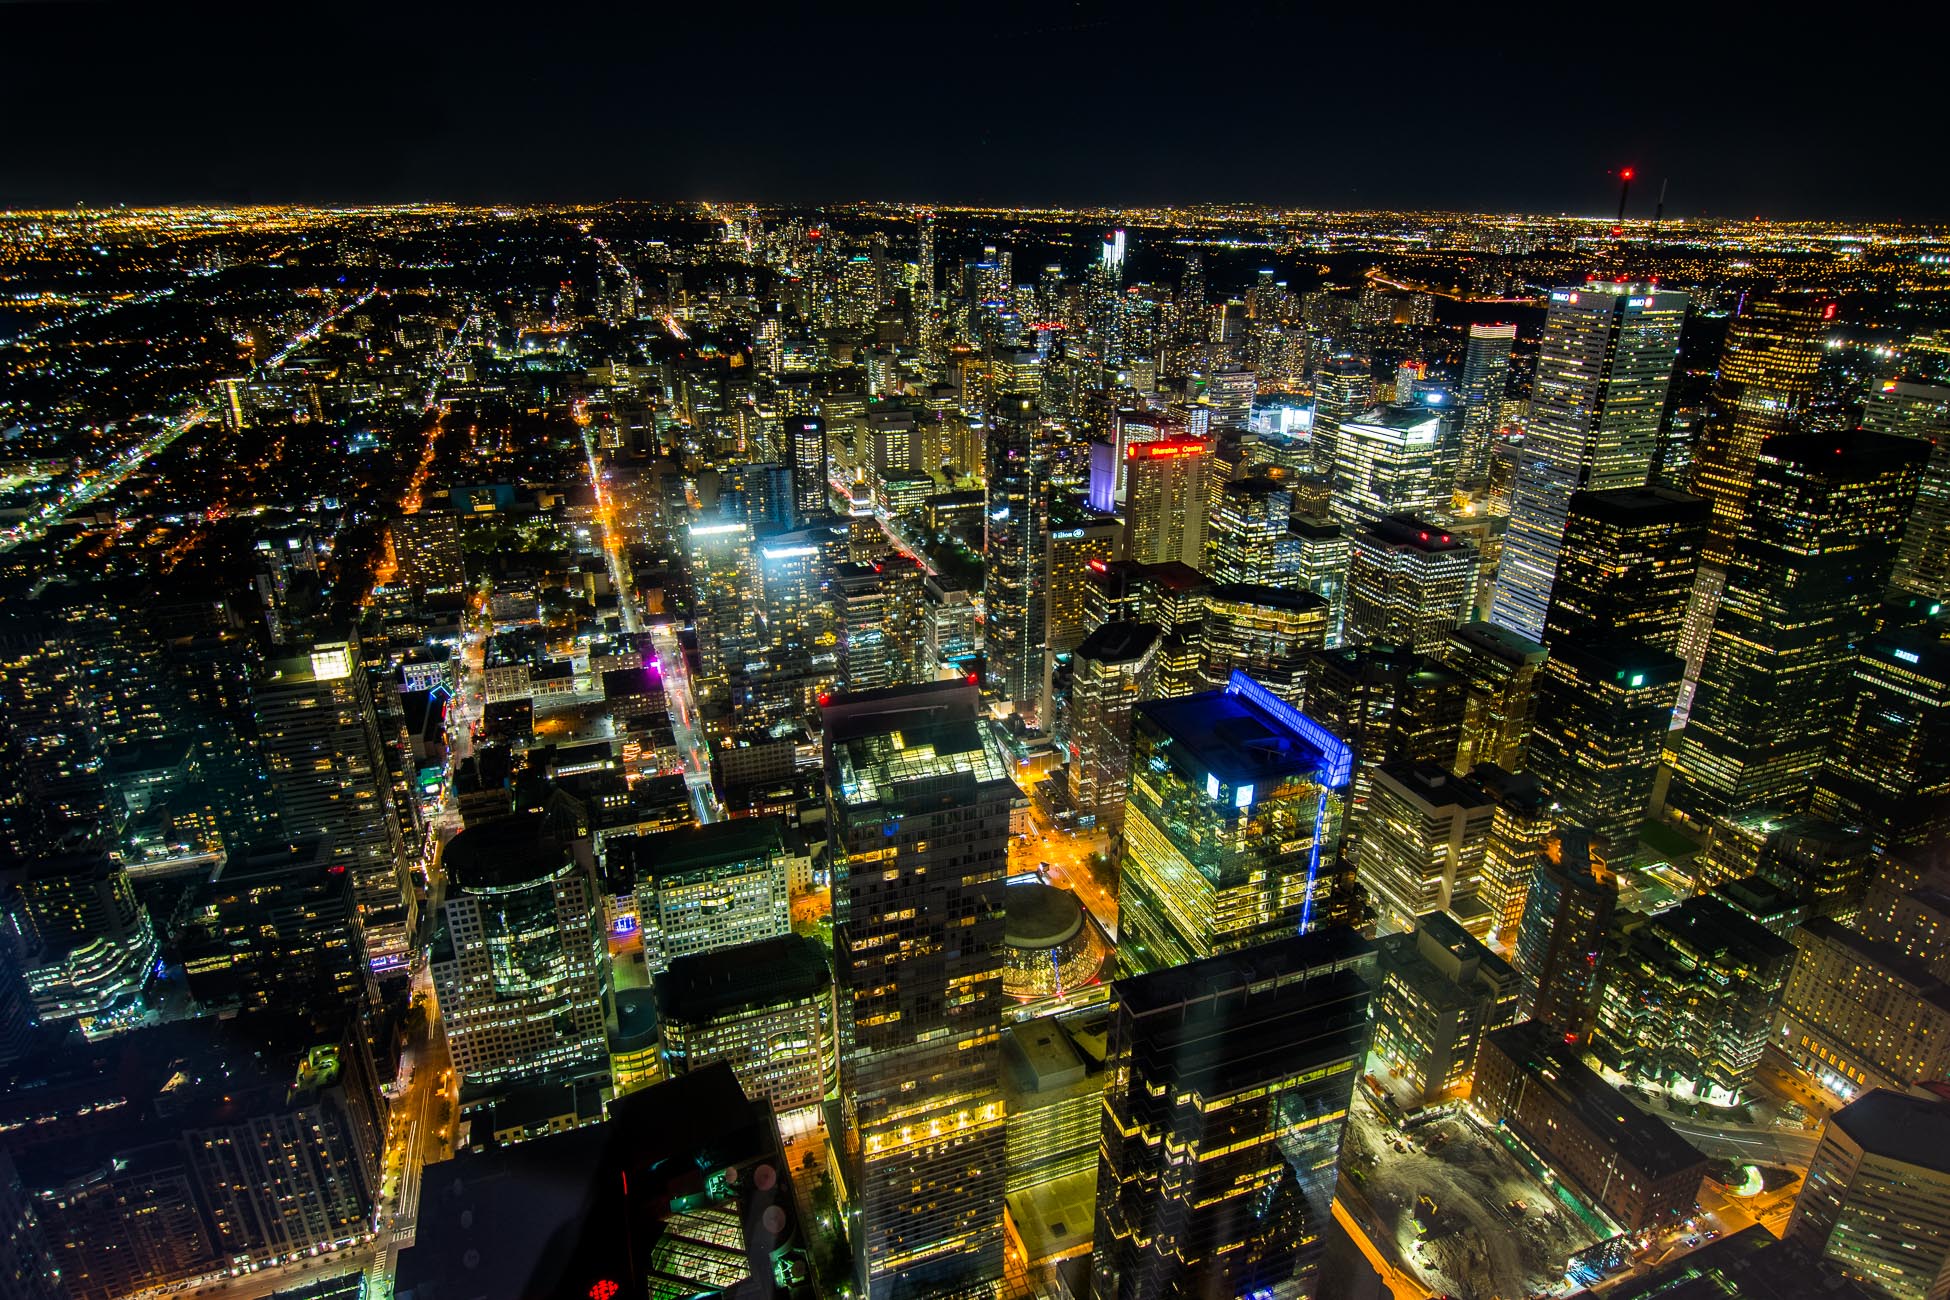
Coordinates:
(1230,637)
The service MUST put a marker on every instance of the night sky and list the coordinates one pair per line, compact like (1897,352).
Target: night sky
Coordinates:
(1747,111)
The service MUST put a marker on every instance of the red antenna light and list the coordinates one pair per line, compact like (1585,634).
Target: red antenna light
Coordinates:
(1627,173)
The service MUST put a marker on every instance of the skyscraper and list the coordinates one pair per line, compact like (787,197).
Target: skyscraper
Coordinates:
(1017,526)
(1112,675)
(1524,820)
(1499,671)
(1808,569)
(1603,709)
(723,581)
(1076,539)
(518,960)
(1228,1085)
(1165,500)
(1485,377)
(1922,411)
(84,943)
(1630,559)
(1249,522)
(1888,769)
(1600,391)
(1876,1201)
(1409,582)
(1397,460)
(1766,376)
(1422,846)
(1572,898)
(1343,390)
(918,798)
(805,443)
(1266,632)
(320,738)
(1235,803)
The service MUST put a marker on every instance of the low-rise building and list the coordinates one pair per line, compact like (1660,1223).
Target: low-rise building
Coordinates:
(1441,991)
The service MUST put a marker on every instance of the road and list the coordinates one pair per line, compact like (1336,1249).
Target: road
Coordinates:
(670,655)
(1788,1148)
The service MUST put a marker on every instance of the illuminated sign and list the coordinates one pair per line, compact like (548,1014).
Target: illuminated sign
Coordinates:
(1908,656)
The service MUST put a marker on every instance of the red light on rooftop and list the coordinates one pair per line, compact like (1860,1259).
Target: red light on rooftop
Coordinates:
(1626,174)
(1099,566)
(974,679)
(825,698)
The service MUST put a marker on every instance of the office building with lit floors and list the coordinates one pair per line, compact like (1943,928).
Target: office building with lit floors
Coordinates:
(1227,1088)
(1111,676)
(1604,710)
(1876,1201)
(705,887)
(1266,632)
(1524,819)
(1422,848)
(1603,370)
(1485,385)
(919,793)
(1610,1154)
(1687,999)
(1921,411)
(724,612)
(805,445)
(1015,542)
(518,958)
(1440,991)
(1764,382)
(1165,500)
(1888,769)
(1561,939)
(82,945)
(1499,669)
(766,1007)
(1229,829)
(319,734)
(1630,561)
(1408,583)
(1808,570)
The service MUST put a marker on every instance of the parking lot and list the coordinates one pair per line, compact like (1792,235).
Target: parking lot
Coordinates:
(1464,1214)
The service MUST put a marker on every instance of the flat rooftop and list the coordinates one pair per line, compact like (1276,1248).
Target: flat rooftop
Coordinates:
(1550,1063)
(1246,734)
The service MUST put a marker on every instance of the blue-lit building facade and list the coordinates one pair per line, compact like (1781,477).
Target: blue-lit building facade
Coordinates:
(1230,827)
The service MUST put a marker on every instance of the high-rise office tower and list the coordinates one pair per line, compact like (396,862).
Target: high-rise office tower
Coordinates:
(1249,521)
(1603,710)
(1343,391)
(1765,378)
(1808,569)
(1317,552)
(1485,378)
(700,888)
(1572,898)
(1888,768)
(1687,999)
(1229,830)
(1111,676)
(805,443)
(766,1007)
(1386,703)
(1914,410)
(1876,1201)
(518,960)
(1499,671)
(1524,820)
(1165,500)
(1422,846)
(1600,391)
(1077,538)
(82,944)
(1228,1085)
(1627,572)
(1017,524)
(918,798)
(726,611)
(285,892)
(1409,582)
(1397,460)
(870,654)
(1265,632)
(320,739)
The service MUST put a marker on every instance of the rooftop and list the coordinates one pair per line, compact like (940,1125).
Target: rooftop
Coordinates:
(1914,1130)
(1245,733)
(503,854)
(696,848)
(703,986)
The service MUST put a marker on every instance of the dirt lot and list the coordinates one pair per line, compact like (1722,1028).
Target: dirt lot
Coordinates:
(1465,1238)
